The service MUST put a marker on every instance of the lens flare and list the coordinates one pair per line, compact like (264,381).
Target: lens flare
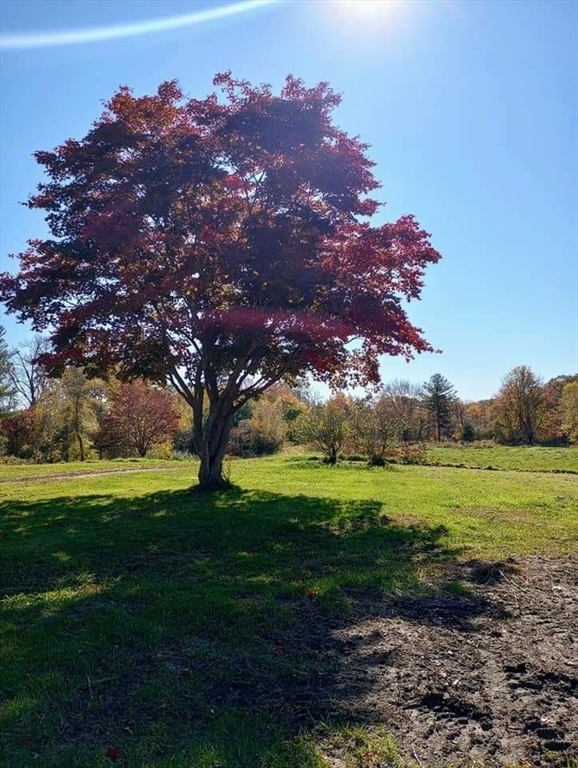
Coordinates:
(97,34)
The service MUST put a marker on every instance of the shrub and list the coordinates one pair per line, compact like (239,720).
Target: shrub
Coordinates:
(352,457)
(408,454)
(12,460)
(255,438)
(183,442)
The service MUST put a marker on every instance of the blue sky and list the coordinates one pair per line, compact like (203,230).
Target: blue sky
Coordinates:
(470,108)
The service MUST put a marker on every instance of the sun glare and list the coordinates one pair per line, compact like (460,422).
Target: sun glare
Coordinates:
(365,14)
(366,6)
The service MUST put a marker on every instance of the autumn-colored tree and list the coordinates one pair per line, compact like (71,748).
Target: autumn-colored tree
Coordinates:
(569,409)
(263,426)
(373,428)
(405,403)
(292,406)
(554,426)
(6,386)
(327,426)
(18,433)
(480,416)
(140,416)
(58,427)
(463,427)
(439,395)
(520,407)
(221,245)
(264,432)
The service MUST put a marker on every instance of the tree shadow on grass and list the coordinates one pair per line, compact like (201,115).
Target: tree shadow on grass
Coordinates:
(174,622)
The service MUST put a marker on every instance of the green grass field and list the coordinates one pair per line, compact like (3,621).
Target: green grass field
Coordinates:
(141,617)
(533,458)
(22,471)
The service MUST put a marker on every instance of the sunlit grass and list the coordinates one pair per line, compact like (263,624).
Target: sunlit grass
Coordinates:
(523,457)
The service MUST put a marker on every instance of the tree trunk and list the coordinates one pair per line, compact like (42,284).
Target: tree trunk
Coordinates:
(211,446)
(211,476)
(80,445)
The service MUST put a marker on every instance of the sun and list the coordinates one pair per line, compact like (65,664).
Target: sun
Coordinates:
(366,6)
(367,12)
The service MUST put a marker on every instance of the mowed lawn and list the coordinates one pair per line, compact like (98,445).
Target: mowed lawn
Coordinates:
(145,625)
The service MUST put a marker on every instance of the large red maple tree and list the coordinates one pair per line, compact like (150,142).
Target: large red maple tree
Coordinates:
(220,245)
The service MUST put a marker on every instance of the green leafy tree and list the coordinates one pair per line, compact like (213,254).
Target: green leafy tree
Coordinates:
(81,398)
(64,418)
(439,395)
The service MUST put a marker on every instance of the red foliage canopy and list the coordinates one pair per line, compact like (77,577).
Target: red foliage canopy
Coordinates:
(140,417)
(220,244)
(209,238)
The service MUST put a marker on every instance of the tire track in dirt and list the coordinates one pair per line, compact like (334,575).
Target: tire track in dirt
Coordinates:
(491,678)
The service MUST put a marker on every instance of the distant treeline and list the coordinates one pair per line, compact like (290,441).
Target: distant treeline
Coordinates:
(75,417)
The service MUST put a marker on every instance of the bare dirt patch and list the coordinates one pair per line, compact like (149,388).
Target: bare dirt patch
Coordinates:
(490,678)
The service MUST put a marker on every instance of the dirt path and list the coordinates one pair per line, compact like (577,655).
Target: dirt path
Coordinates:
(95,473)
(491,678)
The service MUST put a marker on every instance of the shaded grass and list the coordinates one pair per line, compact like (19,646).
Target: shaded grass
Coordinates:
(197,631)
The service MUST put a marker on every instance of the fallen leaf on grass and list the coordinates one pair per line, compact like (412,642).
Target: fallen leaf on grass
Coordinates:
(113,753)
